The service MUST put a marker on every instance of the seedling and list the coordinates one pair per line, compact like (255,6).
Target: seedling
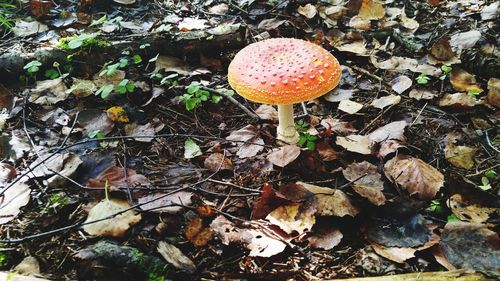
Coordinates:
(446,68)
(308,140)
(422,79)
(5,9)
(33,67)
(194,96)
(452,218)
(485,184)
(474,92)
(436,206)
(96,134)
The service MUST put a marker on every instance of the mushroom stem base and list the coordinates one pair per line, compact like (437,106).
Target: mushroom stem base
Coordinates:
(286,133)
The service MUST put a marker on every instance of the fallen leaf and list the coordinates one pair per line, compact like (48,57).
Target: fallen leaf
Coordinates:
(326,151)
(83,88)
(442,53)
(116,178)
(421,94)
(220,9)
(386,101)
(175,257)
(414,175)
(468,211)
(117,114)
(270,24)
(490,12)
(293,218)
(471,246)
(412,231)
(493,96)
(171,64)
(338,95)
(350,107)
(367,181)
(401,84)
(217,162)
(331,202)
(49,92)
(326,238)
(28,266)
(191,149)
(6,99)
(459,100)
(308,11)
(358,47)
(371,10)
(340,127)
(188,24)
(260,241)
(196,233)
(171,203)
(463,81)
(147,129)
(112,227)
(125,2)
(392,131)
(409,23)
(284,155)
(24,28)
(104,80)
(267,112)
(267,202)
(460,156)
(464,40)
(402,63)
(356,143)
(12,200)
(252,145)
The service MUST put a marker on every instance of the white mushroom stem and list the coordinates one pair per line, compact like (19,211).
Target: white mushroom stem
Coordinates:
(286,127)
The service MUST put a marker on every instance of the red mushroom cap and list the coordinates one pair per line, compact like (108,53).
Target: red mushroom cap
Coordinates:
(283,71)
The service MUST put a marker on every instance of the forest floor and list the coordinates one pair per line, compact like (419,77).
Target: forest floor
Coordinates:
(126,155)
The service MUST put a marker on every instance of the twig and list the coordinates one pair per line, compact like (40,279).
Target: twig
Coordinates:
(251,114)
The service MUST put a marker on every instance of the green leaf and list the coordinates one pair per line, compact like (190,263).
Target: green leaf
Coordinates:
(111,69)
(144,46)
(96,134)
(51,73)
(474,92)
(99,21)
(191,149)
(33,66)
(446,68)
(302,140)
(105,90)
(123,63)
(216,99)
(203,98)
(422,79)
(130,87)
(191,103)
(137,59)
(491,174)
(452,218)
(310,145)
(193,87)
(126,53)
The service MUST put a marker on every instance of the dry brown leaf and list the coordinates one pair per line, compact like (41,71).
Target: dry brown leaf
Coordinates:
(326,151)
(414,175)
(385,101)
(260,241)
(459,100)
(331,202)
(172,203)
(175,257)
(147,129)
(460,156)
(112,227)
(401,254)
(442,53)
(401,84)
(220,9)
(367,181)
(309,11)
(392,131)
(196,233)
(267,112)
(116,177)
(463,81)
(468,211)
(371,10)
(83,88)
(284,155)
(253,143)
(325,239)
(494,92)
(217,162)
(188,24)
(293,218)
(340,127)
(171,64)
(49,92)
(464,40)
(356,143)
(422,94)
(270,24)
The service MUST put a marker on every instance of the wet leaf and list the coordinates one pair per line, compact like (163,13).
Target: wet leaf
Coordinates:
(253,143)
(356,143)
(460,156)
(385,101)
(171,204)
(191,149)
(196,233)
(415,176)
(401,84)
(410,231)
(367,181)
(284,155)
(331,202)
(217,161)
(471,246)
(175,257)
(115,226)
(260,241)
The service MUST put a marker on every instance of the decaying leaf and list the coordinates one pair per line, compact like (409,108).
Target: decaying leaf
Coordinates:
(401,83)
(162,203)
(267,112)
(217,162)
(340,127)
(95,120)
(371,10)
(367,181)
(402,63)
(468,211)
(356,143)
(191,149)
(196,233)
(385,101)
(83,88)
(261,242)
(112,227)
(494,92)
(421,94)
(350,107)
(253,143)
(459,100)
(331,202)
(293,218)
(463,81)
(414,175)
(441,52)
(117,177)
(284,155)
(326,238)
(471,246)
(412,231)
(267,202)
(326,151)
(12,200)
(49,92)
(175,257)
(460,156)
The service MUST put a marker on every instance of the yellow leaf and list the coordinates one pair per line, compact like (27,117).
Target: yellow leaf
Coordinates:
(371,10)
(117,114)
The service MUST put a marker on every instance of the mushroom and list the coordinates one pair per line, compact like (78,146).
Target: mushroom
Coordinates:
(283,71)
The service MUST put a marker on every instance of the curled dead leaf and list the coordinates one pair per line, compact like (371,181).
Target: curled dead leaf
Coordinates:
(112,227)
(367,181)
(331,202)
(196,233)
(460,156)
(218,162)
(468,211)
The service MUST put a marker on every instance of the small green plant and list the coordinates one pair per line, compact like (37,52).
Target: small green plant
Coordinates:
(137,59)
(96,134)
(110,68)
(422,79)
(301,125)
(308,140)
(105,90)
(485,183)
(6,9)
(435,206)
(474,92)
(75,42)
(446,68)
(5,259)
(491,174)
(33,67)
(125,86)
(195,95)
(452,218)
(51,73)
